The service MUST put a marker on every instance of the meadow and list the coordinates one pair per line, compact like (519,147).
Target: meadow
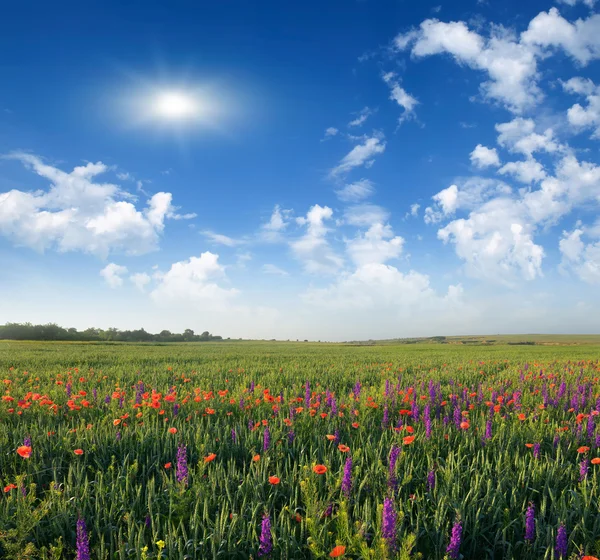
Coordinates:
(299,450)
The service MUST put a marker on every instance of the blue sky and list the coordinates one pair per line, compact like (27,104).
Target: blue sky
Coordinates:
(326,170)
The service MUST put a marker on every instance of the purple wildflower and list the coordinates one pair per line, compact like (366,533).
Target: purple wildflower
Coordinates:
(83,545)
(118,436)
(27,441)
(266,546)
(95,393)
(455,538)
(488,429)
(427,420)
(175,409)
(536,450)
(347,480)
(291,437)
(147,521)
(431,480)
(307,395)
(530,523)
(386,417)
(388,526)
(336,436)
(233,435)
(356,390)
(107,399)
(266,439)
(562,541)
(394,453)
(181,470)
(584,467)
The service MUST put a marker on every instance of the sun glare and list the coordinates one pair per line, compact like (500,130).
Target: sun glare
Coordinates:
(174,105)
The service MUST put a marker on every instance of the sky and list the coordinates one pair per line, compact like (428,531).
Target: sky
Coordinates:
(325,170)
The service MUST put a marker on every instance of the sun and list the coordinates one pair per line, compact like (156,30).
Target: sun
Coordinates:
(175,105)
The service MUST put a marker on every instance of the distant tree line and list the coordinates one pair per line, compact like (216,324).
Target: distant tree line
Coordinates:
(51,331)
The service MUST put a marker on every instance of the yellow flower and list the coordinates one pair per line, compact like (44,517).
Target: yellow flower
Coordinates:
(161,544)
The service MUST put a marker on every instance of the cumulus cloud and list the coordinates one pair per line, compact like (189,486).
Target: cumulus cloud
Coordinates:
(140,280)
(483,157)
(510,64)
(519,136)
(313,249)
(582,258)
(278,222)
(357,191)
(508,59)
(195,280)
(581,117)
(361,155)
(588,3)
(375,246)
(579,40)
(383,290)
(113,274)
(528,171)
(77,213)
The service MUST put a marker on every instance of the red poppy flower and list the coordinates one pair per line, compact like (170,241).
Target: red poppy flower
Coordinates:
(168,465)
(256,458)
(172,430)
(596,461)
(337,551)
(210,457)
(274,480)
(343,448)
(408,440)
(9,487)
(78,451)
(320,469)
(583,449)
(24,451)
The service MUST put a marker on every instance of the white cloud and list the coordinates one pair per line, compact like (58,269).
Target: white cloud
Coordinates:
(357,191)
(365,215)
(140,280)
(582,258)
(278,222)
(221,239)
(330,133)
(361,117)
(510,64)
(383,291)
(113,274)
(401,96)
(580,39)
(273,269)
(519,136)
(376,246)
(78,214)
(584,117)
(588,3)
(312,249)
(528,171)
(414,210)
(484,157)
(194,280)
(360,155)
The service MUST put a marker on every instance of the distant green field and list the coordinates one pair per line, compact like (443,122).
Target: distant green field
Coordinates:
(282,450)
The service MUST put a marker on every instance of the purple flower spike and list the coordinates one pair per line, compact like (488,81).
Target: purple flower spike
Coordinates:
(265,546)
(388,527)
(347,480)
(530,523)
(455,538)
(83,545)
(562,542)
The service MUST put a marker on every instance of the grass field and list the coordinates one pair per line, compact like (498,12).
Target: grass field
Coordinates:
(300,450)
